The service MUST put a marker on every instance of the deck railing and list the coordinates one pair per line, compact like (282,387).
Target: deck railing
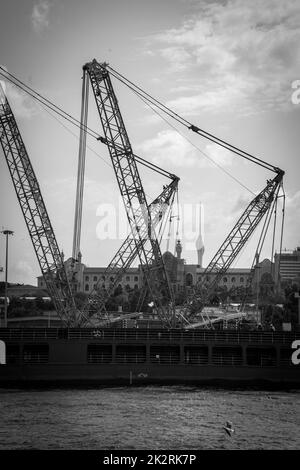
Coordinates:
(157,335)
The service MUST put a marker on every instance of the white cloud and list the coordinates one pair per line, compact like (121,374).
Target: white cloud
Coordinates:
(169,147)
(40,16)
(293,203)
(240,54)
(220,155)
(22,105)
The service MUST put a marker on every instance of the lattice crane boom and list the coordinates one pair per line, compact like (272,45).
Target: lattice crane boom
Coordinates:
(126,255)
(35,214)
(233,244)
(132,191)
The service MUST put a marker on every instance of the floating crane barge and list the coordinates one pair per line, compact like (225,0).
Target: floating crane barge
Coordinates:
(135,356)
(179,351)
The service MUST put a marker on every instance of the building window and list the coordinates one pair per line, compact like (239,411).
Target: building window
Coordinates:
(241,279)
(127,278)
(103,278)
(207,278)
(233,279)
(112,279)
(86,287)
(95,278)
(136,278)
(87,278)
(95,286)
(189,279)
(224,279)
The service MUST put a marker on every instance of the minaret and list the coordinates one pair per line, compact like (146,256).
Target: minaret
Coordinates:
(178,249)
(200,239)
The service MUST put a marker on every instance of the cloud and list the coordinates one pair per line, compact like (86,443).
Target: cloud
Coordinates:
(40,16)
(22,105)
(293,207)
(220,155)
(239,54)
(169,147)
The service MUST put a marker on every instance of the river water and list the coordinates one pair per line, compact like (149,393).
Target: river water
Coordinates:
(154,417)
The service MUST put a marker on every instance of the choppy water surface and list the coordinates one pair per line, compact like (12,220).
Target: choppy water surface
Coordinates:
(148,418)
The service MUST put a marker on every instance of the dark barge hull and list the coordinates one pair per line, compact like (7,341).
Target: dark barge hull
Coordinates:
(49,356)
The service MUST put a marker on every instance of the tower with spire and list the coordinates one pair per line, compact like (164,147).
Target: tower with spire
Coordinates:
(178,249)
(200,240)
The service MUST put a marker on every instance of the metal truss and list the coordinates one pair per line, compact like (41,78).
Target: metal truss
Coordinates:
(132,192)
(35,214)
(232,245)
(126,255)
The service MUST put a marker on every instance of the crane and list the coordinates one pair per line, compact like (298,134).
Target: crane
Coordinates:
(138,210)
(262,205)
(126,255)
(143,237)
(233,244)
(35,215)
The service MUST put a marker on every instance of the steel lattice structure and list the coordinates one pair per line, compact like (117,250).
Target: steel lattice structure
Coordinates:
(126,255)
(35,214)
(234,243)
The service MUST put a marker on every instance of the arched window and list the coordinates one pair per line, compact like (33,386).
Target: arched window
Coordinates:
(241,279)
(95,278)
(233,279)
(86,288)
(136,279)
(224,279)
(87,278)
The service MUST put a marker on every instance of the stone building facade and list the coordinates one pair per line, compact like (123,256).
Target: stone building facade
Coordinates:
(181,275)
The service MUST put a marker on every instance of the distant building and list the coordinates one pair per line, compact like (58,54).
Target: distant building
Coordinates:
(182,276)
(86,278)
(287,265)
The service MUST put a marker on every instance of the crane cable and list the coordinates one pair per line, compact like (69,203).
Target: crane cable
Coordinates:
(46,102)
(188,124)
(195,146)
(68,117)
(260,245)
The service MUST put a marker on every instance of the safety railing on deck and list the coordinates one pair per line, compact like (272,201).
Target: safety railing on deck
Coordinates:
(157,335)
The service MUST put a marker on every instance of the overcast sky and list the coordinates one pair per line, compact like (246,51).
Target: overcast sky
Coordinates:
(226,66)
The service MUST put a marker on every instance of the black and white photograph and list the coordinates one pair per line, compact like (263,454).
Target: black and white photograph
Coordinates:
(149,229)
